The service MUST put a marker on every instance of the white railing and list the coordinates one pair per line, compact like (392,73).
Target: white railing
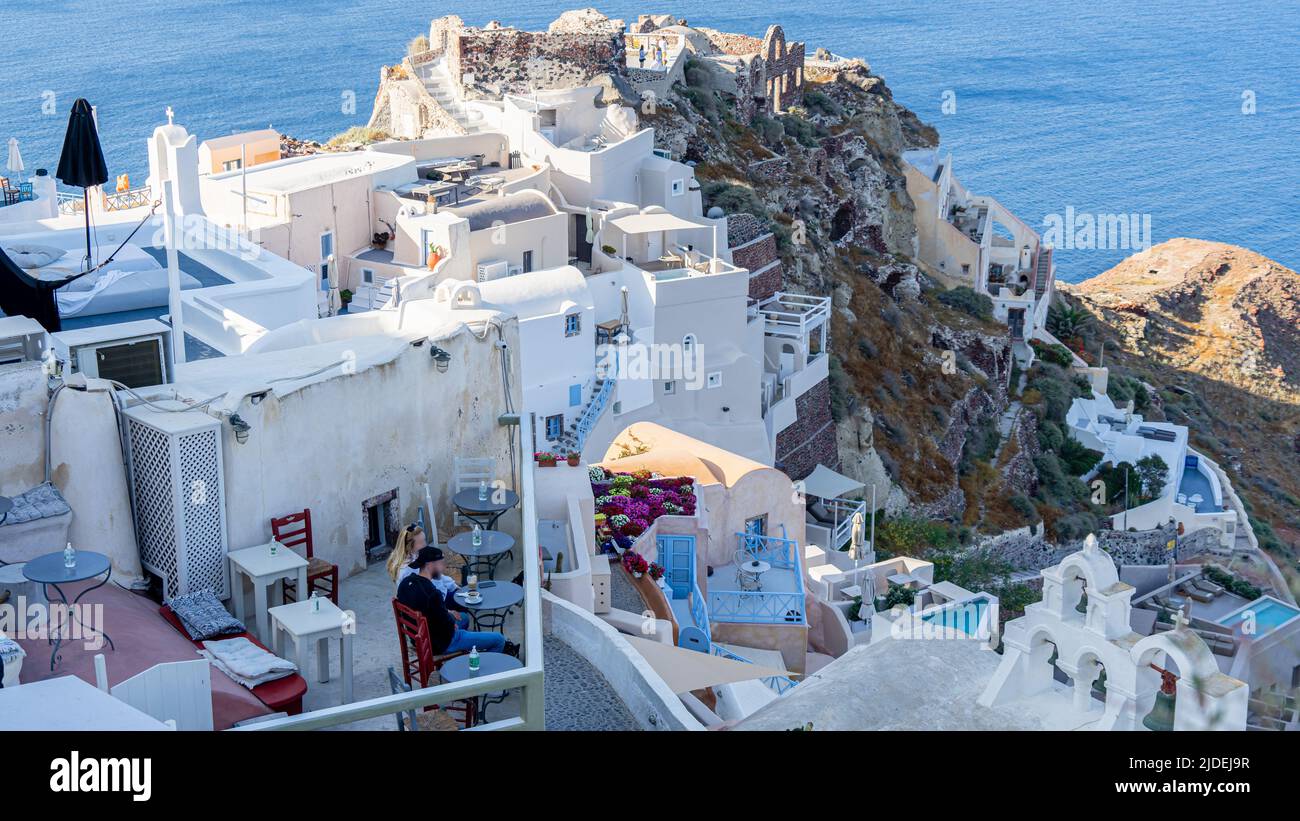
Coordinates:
(794,315)
(528,679)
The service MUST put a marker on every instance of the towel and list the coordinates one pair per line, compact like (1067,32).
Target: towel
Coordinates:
(245,662)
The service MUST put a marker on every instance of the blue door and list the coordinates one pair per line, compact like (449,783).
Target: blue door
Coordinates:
(677,555)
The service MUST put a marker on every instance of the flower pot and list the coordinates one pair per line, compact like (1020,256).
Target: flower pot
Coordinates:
(546,463)
(574,460)
(433,261)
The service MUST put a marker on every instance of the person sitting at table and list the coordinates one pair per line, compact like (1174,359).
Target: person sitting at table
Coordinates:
(409,544)
(443,613)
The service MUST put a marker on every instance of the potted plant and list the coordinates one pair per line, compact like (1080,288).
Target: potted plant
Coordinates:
(635,564)
(435,256)
(574,459)
(656,571)
(545,458)
(345,297)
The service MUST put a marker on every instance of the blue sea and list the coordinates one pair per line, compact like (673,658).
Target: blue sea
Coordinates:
(1187,112)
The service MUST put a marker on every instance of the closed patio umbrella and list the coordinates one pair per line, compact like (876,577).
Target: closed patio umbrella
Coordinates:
(15,163)
(81,164)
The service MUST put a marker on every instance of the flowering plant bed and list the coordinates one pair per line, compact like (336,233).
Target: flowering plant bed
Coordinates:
(545,458)
(632,501)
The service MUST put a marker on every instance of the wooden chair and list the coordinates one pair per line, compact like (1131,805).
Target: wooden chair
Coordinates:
(419,662)
(294,530)
(424,720)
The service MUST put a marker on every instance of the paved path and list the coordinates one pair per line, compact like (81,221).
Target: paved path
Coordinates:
(577,696)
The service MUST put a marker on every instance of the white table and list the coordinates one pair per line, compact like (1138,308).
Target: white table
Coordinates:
(263,570)
(297,621)
(68,703)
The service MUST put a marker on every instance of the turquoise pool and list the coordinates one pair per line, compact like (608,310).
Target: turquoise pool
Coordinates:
(965,616)
(1269,614)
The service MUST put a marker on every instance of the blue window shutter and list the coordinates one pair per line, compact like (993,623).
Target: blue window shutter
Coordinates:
(575,395)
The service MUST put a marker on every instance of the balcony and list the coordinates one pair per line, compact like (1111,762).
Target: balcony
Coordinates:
(795,315)
(775,595)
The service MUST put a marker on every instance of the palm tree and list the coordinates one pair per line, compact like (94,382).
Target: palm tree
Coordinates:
(1065,322)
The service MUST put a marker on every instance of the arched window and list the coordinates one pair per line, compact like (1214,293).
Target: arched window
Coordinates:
(688,344)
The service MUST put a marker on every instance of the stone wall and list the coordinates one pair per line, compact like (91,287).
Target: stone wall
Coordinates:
(1026,548)
(811,439)
(509,61)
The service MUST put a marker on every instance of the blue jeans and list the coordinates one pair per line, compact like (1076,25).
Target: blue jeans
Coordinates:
(486,641)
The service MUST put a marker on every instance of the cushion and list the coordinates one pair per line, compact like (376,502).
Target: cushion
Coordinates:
(31,255)
(204,616)
(41,502)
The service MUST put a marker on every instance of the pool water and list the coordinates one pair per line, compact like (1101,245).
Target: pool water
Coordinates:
(965,616)
(1269,614)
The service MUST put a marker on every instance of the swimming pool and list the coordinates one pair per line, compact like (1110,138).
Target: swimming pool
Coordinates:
(966,616)
(1269,614)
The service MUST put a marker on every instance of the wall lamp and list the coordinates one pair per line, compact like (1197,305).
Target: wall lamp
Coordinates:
(240,427)
(441,358)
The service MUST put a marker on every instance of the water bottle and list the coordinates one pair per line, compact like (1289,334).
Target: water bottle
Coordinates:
(315,601)
(482,490)
(275,548)
(478,536)
(69,557)
(473,659)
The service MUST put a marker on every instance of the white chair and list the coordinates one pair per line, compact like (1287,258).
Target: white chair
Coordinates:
(177,692)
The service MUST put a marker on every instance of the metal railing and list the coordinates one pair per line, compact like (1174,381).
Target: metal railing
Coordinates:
(122,200)
(700,612)
(843,511)
(778,684)
(71,203)
(591,413)
(761,606)
(527,680)
(794,315)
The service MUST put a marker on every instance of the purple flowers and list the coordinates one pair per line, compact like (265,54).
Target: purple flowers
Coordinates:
(637,500)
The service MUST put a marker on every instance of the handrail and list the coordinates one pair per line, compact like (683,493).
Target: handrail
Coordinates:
(591,414)
(700,612)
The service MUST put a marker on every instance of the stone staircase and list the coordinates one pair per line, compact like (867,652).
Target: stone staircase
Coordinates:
(441,88)
(575,436)
(1042,272)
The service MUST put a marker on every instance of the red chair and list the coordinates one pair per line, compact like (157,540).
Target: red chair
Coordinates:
(294,530)
(419,662)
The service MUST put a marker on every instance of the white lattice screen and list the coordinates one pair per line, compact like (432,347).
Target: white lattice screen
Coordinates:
(179,504)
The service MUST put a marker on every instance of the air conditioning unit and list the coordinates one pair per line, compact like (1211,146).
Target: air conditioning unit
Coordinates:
(178,483)
(21,340)
(137,354)
(492,269)
(515,270)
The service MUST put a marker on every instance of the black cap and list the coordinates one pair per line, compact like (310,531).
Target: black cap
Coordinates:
(426,555)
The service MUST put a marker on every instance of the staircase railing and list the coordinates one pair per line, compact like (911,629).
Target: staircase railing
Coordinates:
(591,413)
(778,684)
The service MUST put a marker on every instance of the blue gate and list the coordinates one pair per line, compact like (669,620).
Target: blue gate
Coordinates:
(677,555)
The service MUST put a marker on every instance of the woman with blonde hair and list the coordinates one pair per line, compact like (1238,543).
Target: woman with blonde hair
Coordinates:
(409,542)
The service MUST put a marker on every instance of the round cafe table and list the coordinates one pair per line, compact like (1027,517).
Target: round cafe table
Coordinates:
(486,556)
(485,511)
(490,612)
(458,670)
(48,571)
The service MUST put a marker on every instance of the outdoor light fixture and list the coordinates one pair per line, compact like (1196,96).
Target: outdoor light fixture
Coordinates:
(441,358)
(240,427)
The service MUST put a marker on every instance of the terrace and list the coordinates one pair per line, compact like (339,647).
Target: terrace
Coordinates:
(763,585)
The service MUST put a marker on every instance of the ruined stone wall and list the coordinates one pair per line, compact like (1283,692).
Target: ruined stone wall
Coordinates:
(1026,548)
(810,441)
(508,61)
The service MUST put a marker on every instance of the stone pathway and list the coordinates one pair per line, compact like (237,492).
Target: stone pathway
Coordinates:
(577,696)
(623,596)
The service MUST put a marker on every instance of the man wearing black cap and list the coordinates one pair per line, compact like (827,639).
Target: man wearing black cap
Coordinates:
(418,592)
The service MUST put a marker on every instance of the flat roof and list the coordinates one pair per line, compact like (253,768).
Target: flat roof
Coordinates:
(241,138)
(315,170)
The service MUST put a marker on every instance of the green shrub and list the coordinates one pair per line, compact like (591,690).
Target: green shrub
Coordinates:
(1054,484)
(1075,526)
(818,103)
(695,74)
(968,301)
(1076,458)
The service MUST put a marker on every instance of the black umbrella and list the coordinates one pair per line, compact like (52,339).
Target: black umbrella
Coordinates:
(82,162)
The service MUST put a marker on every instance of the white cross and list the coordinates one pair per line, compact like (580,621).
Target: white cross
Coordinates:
(170,115)
(1180,619)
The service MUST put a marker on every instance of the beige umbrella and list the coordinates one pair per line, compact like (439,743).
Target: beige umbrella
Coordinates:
(335,300)
(686,670)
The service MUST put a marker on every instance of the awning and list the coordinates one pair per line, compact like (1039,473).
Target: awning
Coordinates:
(827,484)
(650,223)
(686,670)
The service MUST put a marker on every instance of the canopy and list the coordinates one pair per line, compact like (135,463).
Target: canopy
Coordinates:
(650,223)
(825,483)
(686,670)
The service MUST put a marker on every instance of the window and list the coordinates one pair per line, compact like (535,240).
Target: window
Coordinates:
(679,187)
(572,324)
(670,388)
(575,395)
(756,526)
(713,380)
(326,245)
(232,165)
(688,345)
(554,426)
(367,276)
(528,261)
(324,276)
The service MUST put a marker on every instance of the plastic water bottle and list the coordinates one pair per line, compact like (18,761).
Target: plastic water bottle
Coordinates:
(69,556)
(315,601)
(482,490)
(275,548)
(473,659)
(478,536)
